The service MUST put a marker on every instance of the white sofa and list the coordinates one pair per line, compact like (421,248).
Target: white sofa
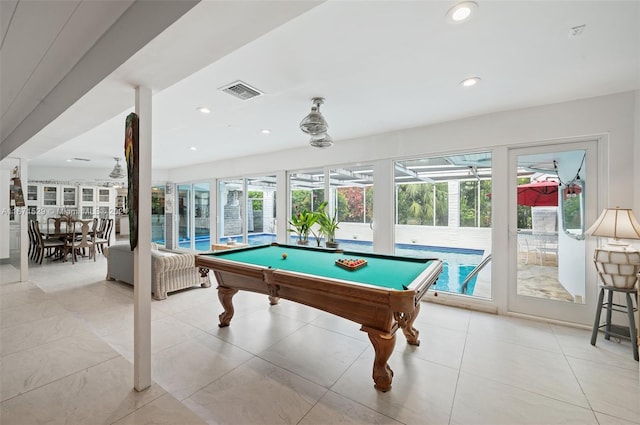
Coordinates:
(170,270)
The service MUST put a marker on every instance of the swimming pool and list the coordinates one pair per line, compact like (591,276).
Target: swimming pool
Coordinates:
(457,262)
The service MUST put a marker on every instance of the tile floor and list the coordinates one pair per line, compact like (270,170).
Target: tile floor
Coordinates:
(66,352)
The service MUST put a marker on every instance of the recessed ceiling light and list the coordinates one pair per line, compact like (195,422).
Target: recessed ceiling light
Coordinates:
(193,148)
(69,160)
(469,82)
(461,11)
(204,110)
(265,131)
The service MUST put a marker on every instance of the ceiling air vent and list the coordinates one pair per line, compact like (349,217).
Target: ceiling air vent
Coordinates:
(241,90)
(81,159)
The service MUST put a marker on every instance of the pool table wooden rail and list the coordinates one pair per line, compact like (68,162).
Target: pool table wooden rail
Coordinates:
(379,311)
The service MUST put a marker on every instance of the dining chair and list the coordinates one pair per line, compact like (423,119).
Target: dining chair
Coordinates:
(57,227)
(101,227)
(44,246)
(33,242)
(104,236)
(83,236)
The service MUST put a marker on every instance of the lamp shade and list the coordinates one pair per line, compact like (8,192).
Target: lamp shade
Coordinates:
(616,223)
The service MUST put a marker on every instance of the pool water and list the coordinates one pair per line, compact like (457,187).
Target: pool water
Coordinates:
(457,262)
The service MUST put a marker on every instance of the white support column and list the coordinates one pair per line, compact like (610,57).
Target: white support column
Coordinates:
(142,252)
(282,203)
(24,222)
(213,212)
(383,196)
(501,175)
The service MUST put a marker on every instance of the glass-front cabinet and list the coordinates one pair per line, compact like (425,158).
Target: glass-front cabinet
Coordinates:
(87,202)
(104,196)
(50,195)
(88,194)
(32,193)
(69,196)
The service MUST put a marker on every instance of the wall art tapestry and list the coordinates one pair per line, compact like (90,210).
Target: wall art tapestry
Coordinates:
(132,154)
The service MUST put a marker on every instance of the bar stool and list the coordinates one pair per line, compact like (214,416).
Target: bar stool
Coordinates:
(618,272)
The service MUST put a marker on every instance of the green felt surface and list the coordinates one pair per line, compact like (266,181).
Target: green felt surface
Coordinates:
(384,272)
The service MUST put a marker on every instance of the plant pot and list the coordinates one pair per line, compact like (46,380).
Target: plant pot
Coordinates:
(303,242)
(331,244)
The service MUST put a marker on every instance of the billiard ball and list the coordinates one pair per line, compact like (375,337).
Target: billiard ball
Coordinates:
(284,255)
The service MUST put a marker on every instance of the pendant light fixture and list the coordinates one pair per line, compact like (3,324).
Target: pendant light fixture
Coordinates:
(316,126)
(118,171)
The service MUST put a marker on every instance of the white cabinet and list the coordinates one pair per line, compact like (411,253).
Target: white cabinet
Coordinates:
(87,194)
(69,196)
(105,196)
(33,194)
(50,195)
(85,202)
(106,203)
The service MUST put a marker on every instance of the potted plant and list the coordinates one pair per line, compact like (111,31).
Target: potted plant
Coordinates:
(301,222)
(328,226)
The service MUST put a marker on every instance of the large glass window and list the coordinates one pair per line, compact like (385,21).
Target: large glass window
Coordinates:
(193,216)
(231,199)
(247,210)
(443,210)
(306,189)
(475,203)
(201,220)
(184,215)
(352,197)
(261,210)
(424,203)
(157,214)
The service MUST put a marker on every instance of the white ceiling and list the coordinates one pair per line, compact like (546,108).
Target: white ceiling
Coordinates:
(381,66)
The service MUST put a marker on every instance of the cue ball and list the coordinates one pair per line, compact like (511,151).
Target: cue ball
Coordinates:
(284,255)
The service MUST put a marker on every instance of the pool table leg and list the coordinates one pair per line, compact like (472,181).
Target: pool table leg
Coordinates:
(405,321)
(225,295)
(383,345)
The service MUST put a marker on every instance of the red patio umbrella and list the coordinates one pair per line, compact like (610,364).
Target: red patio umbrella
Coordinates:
(538,194)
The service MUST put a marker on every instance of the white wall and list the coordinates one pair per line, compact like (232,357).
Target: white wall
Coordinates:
(613,115)
(159,177)
(4,214)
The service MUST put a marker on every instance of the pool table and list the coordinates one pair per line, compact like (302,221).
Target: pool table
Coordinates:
(381,296)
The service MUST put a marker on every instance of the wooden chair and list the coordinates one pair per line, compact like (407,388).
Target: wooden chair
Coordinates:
(43,246)
(58,227)
(104,236)
(83,236)
(32,239)
(101,227)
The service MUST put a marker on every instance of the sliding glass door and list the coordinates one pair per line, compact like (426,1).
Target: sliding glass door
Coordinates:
(184,215)
(552,193)
(194,216)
